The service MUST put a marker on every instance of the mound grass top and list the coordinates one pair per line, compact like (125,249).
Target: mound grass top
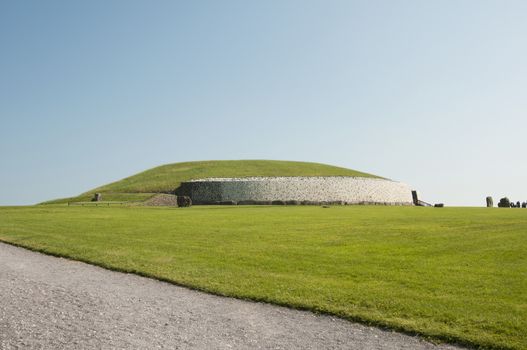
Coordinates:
(167,178)
(279,178)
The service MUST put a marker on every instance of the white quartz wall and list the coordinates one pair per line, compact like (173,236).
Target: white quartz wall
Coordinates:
(352,190)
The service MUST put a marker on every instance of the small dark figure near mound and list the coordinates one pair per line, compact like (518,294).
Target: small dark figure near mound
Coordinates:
(184,201)
(504,203)
(97,197)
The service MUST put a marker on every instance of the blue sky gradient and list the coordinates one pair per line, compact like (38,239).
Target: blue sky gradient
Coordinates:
(429,93)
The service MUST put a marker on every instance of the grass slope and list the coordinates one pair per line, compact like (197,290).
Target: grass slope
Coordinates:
(168,177)
(455,274)
(107,197)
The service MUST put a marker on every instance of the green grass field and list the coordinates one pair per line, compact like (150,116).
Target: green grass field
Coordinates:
(451,274)
(167,178)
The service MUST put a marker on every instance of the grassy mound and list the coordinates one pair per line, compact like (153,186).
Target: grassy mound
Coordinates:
(455,274)
(168,177)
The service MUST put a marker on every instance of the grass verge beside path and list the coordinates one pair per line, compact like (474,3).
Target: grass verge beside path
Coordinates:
(453,274)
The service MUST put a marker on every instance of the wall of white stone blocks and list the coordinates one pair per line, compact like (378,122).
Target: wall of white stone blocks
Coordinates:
(351,190)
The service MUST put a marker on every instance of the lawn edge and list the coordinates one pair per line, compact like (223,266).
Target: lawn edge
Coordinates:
(438,338)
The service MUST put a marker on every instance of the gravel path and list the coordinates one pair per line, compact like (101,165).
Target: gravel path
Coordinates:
(53,303)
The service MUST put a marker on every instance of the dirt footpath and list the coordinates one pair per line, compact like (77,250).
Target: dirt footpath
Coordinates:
(53,303)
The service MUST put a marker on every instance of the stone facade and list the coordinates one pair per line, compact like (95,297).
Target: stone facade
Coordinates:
(333,189)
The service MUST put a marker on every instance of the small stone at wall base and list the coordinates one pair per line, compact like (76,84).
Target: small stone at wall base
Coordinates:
(439,205)
(278,203)
(184,201)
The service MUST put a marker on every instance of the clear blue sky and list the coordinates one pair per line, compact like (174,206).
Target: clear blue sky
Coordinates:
(431,93)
